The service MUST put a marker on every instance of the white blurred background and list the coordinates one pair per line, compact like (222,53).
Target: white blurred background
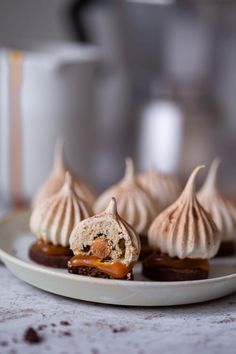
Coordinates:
(159,84)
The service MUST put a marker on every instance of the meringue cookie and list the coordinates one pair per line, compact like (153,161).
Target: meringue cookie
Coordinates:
(134,204)
(106,235)
(54,218)
(56,179)
(185,229)
(163,189)
(221,208)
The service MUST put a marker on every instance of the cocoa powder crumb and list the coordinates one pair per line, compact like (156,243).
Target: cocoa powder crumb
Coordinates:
(65,323)
(67,334)
(119,329)
(3,343)
(31,336)
(41,327)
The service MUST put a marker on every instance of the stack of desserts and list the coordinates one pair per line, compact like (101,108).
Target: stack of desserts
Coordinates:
(130,221)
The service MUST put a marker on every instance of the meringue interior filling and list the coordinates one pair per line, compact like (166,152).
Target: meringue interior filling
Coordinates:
(163,260)
(50,249)
(115,270)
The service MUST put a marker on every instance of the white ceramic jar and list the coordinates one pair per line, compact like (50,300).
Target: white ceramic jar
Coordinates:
(54,99)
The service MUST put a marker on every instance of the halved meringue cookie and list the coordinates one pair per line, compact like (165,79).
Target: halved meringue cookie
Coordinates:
(56,178)
(104,245)
(220,207)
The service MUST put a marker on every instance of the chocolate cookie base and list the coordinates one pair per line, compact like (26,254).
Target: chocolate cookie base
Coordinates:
(226,249)
(93,272)
(153,270)
(49,261)
(145,248)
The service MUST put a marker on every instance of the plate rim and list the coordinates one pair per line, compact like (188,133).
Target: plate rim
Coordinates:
(5,256)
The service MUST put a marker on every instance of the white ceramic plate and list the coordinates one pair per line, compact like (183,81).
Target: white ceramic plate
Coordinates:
(15,239)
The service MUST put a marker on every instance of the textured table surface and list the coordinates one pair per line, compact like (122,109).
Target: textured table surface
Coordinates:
(207,328)
(76,327)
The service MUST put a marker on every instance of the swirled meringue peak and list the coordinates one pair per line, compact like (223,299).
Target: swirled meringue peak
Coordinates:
(185,229)
(106,235)
(164,189)
(56,178)
(221,208)
(54,218)
(134,204)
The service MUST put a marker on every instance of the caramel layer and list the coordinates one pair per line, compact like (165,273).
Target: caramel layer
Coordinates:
(115,270)
(163,260)
(52,250)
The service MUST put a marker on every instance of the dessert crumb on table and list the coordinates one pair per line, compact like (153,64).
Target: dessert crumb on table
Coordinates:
(69,326)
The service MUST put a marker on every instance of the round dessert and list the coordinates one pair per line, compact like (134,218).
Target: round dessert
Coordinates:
(56,179)
(134,204)
(221,208)
(163,189)
(52,221)
(104,246)
(184,236)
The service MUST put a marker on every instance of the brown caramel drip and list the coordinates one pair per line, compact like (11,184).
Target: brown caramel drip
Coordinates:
(53,250)
(115,270)
(163,260)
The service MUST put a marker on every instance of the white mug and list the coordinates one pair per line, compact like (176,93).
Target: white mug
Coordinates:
(44,94)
